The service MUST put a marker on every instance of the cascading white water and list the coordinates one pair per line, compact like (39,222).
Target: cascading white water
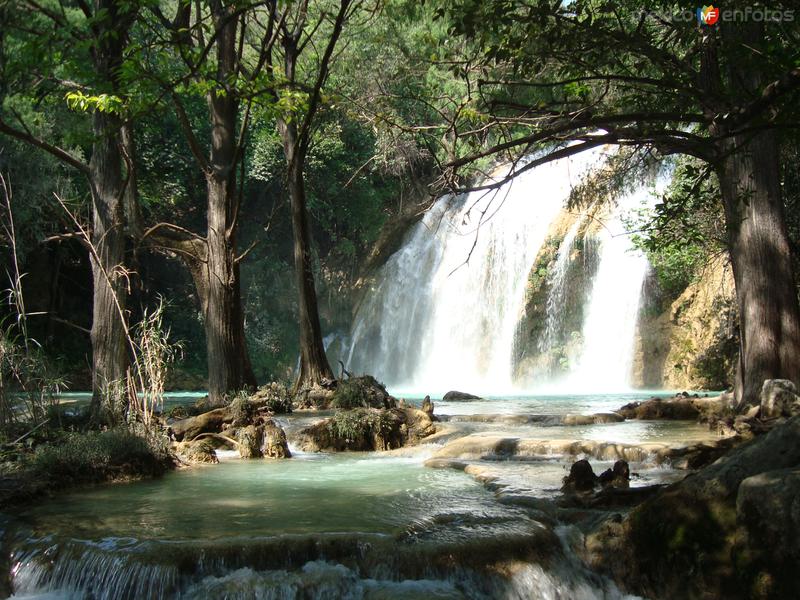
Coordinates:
(557,281)
(609,327)
(446,306)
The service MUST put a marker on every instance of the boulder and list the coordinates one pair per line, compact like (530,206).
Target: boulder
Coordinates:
(454,395)
(366,429)
(779,399)
(678,408)
(720,524)
(361,392)
(196,452)
(581,477)
(275,445)
(207,422)
(592,419)
(768,507)
(316,396)
(618,476)
(427,406)
(251,441)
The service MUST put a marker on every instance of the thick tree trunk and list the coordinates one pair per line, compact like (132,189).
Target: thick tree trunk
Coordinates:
(229,367)
(109,355)
(769,318)
(314,367)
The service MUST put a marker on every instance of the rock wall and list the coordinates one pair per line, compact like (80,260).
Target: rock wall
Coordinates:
(693,344)
(531,364)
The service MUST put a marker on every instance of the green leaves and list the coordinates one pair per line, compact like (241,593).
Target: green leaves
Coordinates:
(104,103)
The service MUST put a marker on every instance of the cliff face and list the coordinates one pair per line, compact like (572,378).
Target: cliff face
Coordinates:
(533,362)
(694,343)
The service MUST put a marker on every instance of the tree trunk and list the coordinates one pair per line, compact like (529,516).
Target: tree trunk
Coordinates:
(109,355)
(314,367)
(229,367)
(769,318)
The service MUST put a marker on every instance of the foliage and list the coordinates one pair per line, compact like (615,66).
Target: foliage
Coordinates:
(360,424)
(153,356)
(683,230)
(360,392)
(97,456)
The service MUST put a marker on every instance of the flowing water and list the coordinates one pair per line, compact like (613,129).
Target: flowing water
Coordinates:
(352,525)
(445,309)
(462,516)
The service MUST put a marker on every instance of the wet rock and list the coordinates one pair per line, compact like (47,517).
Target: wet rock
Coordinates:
(275,445)
(713,525)
(455,395)
(251,441)
(595,419)
(779,399)
(618,476)
(678,408)
(581,477)
(365,429)
(196,452)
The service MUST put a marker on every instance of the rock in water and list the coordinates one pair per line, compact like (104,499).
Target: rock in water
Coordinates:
(275,445)
(779,398)
(365,429)
(362,392)
(618,476)
(581,477)
(456,395)
(251,441)
(427,406)
(196,452)
(678,408)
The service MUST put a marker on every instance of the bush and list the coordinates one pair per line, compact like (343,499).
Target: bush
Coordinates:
(361,392)
(98,456)
(360,425)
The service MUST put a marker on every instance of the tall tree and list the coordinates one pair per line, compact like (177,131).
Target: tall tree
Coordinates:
(559,78)
(299,67)
(295,37)
(96,36)
(207,38)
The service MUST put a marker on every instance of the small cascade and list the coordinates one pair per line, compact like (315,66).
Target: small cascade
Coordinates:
(608,334)
(446,306)
(553,330)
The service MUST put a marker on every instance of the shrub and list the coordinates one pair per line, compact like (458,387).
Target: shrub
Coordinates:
(98,456)
(361,392)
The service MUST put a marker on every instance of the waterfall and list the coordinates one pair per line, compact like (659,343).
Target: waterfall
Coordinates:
(445,308)
(609,327)
(557,281)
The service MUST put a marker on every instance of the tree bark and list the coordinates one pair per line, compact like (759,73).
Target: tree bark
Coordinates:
(109,343)
(229,367)
(769,317)
(314,366)
(109,356)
